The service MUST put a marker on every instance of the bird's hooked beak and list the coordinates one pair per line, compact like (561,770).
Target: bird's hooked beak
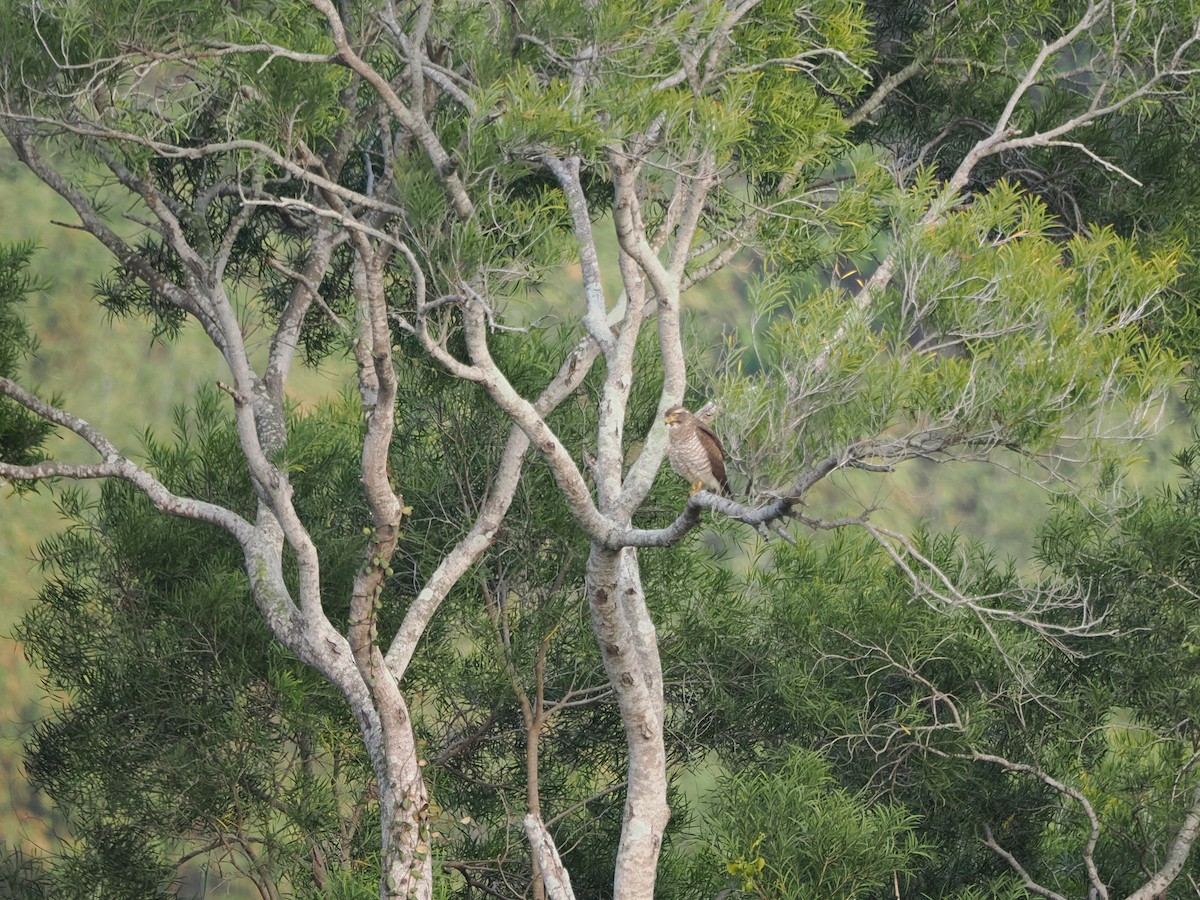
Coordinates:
(671,418)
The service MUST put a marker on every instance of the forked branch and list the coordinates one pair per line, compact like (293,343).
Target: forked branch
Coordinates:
(114,464)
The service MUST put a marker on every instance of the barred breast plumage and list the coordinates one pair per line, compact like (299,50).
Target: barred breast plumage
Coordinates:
(695,452)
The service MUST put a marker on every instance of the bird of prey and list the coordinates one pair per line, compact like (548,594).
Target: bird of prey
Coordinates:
(695,452)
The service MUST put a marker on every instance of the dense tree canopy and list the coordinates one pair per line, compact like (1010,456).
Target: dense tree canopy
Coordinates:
(949,264)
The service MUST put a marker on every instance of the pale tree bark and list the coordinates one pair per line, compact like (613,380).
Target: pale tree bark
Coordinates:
(624,630)
(628,646)
(351,662)
(1174,859)
(553,876)
(299,622)
(354,661)
(407,858)
(1177,853)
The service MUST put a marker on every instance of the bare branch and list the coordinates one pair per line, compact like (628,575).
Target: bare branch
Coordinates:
(595,320)
(554,873)
(411,120)
(114,465)
(892,83)
(1083,148)
(1001,137)
(527,417)
(603,792)
(486,525)
(94,223)
(307,291)
(1098,886)
(1089,18)
(1177,853)
(1032,886)
(203,151)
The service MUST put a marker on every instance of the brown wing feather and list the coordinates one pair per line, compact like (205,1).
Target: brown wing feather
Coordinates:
(715,453)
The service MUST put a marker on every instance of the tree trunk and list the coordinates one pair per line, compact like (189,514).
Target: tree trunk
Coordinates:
(407,868)
(404,812)
(629,646)
(383,719)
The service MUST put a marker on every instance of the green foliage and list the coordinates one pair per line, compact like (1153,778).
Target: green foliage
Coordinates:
(770,120)
(992,333)
(1137,559)
(831,661)
(842,702)
(788,831)
(22,877)
(793,123)
(1140,562)
(823,665)
(21,432)
(146,627)
(186,723)
(972,57)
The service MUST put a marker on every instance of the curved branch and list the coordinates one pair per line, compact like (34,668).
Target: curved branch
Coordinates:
(759,518)
(1032,886)
(886,87)
(1001,137)
(530,420)
(305,292)
(1098,887)
(595,320)
(204,151)
(554,873)
(114,465)
(1177,855)
(95,225)
(487,524)
(413,122)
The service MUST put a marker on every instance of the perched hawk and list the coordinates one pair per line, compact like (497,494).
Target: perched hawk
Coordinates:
(695,452)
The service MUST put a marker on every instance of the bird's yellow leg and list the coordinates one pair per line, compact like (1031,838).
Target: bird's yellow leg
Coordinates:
(696,485)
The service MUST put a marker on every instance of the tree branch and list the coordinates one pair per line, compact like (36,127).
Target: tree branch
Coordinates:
(487,524)
(412,121)
(114,465)
(595,320)
(554,873)
(1098,886)
(203,151)
(1032,886)
(1177,854)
